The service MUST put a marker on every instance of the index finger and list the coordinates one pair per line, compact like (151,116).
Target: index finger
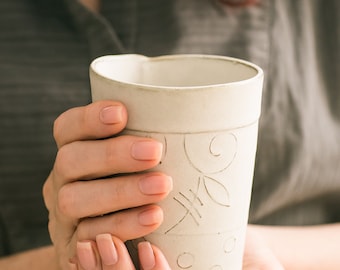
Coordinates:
(98,120)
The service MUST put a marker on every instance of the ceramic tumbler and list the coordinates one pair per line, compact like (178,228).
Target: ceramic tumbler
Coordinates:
(205,110)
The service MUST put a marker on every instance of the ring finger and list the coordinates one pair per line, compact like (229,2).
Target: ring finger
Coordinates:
(114,194)
(96,159)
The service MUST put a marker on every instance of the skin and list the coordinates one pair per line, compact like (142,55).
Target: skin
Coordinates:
(293,248)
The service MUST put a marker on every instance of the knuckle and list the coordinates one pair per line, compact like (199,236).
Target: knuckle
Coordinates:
(51,230)
(81,232)
(120,192)
(119,221)
(46,191)
(57,124)
(87,113)
(85,230)
(110,151)
(62,162)
(117,150)
(88,120)
(66,200)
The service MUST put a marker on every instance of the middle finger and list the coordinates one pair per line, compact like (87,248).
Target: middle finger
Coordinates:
(84,160)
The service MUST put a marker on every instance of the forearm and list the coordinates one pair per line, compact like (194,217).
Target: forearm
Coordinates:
(37,259)
(308,247)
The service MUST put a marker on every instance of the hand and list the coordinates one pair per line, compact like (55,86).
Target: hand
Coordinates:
(257,254)
(110,253)
(91,189)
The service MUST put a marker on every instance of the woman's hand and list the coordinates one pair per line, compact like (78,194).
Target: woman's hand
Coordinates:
(258,255)
(293,247)
(94,188)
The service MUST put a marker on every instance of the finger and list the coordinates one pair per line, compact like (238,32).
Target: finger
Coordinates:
(47,192)
(113,253)
(95,159)
(151,257)
(111,195)
(97,120)
(88,256)
(126,225)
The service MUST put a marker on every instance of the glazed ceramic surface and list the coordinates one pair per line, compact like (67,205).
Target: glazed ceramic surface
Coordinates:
(205,111)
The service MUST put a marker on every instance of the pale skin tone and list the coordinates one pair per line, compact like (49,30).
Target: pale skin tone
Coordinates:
(90,236)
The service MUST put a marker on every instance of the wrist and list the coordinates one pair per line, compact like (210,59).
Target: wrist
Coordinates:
(304,247)
(37,259)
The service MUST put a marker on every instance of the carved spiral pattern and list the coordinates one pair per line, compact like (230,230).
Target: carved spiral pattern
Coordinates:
(216,151)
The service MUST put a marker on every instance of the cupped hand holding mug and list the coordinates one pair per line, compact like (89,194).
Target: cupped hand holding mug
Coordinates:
(94,188)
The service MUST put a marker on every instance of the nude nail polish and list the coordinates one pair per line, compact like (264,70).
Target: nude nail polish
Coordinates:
(86,255)
(107,249)
(155,184)
(150,217)
(111,115)
(146,150)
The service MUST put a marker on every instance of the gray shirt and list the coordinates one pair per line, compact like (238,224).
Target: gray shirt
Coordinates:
(45,50)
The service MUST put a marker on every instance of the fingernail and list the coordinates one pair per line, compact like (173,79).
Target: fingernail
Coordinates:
(111,115)
(150,217)
(155,184)
(146,255)
(147,150)
(107,249)
(86,255)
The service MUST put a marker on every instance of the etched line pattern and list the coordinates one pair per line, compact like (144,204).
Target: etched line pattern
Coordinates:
(185,260)
(216,267)
(190,205)
(217,192)
(191,200)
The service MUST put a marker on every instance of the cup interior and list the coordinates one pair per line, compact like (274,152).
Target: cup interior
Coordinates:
(174,71)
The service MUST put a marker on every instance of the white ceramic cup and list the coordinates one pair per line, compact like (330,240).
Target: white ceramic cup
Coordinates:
(205,111)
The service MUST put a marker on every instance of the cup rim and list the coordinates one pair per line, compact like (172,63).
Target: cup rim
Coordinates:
(259,71)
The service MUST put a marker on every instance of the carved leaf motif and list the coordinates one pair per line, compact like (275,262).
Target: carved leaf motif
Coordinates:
(216,191)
